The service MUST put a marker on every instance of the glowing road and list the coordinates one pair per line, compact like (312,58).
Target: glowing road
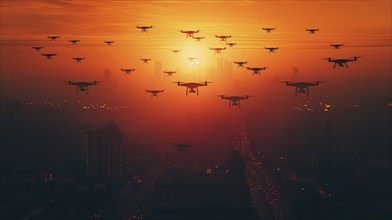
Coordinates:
(265,197)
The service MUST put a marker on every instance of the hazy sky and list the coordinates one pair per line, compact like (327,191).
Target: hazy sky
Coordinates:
(364,27)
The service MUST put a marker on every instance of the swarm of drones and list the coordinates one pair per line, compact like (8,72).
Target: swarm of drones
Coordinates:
(193,87)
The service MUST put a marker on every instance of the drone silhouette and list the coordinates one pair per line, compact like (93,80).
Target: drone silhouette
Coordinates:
(191,59)
(271,49)
(268,30)
(240,63)
(312,30)
(181,146)
(37,48)
(217,49)
(198,38)
(48,55)
(53,37)
(144,28)
(189,33)
(82,86)
(175,51)
(302,87)
(145,60)
(234,100)
(341,62)
(108,42)
(78,59)
(231,44)
(223,37)
(256,70)
(74,41)
(190,87)
(169,73)
(336,46)
(154,92)
(128,71)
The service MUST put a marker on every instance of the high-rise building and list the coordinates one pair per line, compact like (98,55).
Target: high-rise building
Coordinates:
(198,196)
(295,75)
(158,70)
(104,152)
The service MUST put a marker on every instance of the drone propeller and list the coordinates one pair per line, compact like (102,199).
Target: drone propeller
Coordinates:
(327,58)
(319,82)
(285,82)
(177,82)
(207,82)
(355,57)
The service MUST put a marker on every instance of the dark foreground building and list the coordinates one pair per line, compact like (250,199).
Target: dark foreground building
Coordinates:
(203,196)
(104,152)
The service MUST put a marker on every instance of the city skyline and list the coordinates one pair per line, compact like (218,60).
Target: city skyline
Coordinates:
(84,134)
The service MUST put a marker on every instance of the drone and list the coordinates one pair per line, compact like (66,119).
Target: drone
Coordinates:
(223,37)
(218,49)
(189,33)
(169,73)
(145,60)
(234,100)
(144,28)
(78,59)
(74,41)
(312,31)
(198,38)
(108,42)
(128,71)
(231,44)
(302,87)
(181,146)
(53,37)
(240,63)
(336,46)
(256,70)
(82,86)
(175,51)
(155,92)
(341,62)
(191,59)
(49,55)
(268,30)
(37,48)
(271,49)
(190,87)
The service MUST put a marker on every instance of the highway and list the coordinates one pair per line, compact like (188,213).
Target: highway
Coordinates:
(264,193)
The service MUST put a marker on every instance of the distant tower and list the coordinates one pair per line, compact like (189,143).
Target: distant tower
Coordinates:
(210,74)
(106,75)
(236,83)
(104,152)
(295,75)
(228,72)
(237,167)
(158,70)
(219,69)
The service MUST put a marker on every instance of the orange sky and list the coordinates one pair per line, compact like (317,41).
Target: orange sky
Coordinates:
(364,27)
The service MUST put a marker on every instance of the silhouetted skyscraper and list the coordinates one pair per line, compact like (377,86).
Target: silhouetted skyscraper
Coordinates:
(158,70)
(295,75)
(237,167)
(104,153)
(108,82)
(106,75)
